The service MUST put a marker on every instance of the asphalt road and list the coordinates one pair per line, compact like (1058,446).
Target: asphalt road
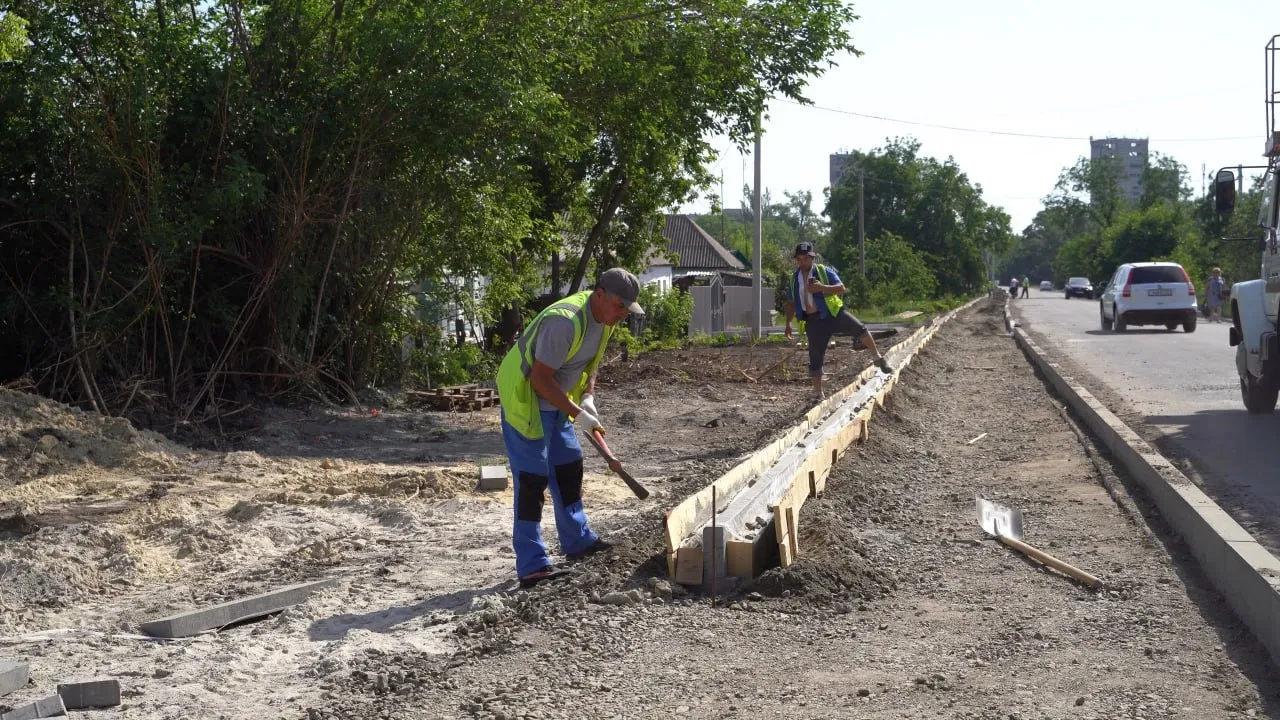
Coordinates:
(1184,386)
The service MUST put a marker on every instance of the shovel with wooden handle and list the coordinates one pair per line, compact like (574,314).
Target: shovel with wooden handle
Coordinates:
(597,439)
(1005,524)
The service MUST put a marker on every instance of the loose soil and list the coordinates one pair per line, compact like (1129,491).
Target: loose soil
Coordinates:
(897,608)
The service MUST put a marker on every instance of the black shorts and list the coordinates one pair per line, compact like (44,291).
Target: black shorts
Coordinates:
(820,331)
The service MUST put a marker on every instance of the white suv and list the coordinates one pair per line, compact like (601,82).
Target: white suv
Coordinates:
(1149,293)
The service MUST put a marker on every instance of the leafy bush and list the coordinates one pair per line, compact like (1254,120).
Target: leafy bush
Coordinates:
(896,271)
(623,339)
(667,315)
(441,363)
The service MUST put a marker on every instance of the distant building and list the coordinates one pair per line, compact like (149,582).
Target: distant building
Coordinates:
(694,250)
(840,163)
(1131,155)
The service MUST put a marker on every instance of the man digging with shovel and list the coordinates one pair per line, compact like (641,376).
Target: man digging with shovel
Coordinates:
(815,300)
(545,386)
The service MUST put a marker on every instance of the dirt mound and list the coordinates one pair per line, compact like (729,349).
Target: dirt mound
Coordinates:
(832,568)
(847,551)
(57,568)
(40,437)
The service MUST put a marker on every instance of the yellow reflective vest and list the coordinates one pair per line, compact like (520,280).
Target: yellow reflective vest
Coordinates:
(834,303)
(515,392)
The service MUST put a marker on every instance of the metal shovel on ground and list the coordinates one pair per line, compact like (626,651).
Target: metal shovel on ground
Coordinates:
(1005,524)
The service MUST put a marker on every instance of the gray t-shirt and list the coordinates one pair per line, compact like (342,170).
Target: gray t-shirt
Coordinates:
(555,337)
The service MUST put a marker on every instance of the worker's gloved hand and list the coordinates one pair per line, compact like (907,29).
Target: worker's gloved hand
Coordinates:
(589,404)
(588,421)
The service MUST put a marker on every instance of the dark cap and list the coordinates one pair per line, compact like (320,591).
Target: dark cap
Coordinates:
(617,281)
(805,249)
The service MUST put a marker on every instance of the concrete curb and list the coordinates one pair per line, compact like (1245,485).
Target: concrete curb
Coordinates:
(1243,571)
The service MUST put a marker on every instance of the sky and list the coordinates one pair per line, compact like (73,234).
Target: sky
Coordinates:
(1187,75)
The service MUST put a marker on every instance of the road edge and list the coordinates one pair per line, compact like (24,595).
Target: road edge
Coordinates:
(1244,572)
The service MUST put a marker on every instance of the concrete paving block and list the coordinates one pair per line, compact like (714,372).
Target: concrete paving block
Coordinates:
(493,477)
(197,621)
(45,707)
(90,693)
(13,676)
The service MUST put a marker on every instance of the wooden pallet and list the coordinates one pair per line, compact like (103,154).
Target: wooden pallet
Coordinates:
(459,397)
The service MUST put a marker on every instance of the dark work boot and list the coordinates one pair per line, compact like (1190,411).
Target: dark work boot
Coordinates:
(598,546)
(549,572)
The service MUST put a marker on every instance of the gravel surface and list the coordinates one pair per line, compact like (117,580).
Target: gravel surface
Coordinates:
(898,606)
(1182,394)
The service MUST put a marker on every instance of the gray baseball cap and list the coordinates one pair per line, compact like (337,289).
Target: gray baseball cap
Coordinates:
(617,281)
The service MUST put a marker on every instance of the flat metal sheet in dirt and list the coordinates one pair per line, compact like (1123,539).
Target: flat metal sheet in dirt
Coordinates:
(999,520)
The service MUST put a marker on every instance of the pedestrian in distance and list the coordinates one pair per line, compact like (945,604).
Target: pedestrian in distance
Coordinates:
(815,300)
(1026,286)
(1215,294)
(1013,288)
(546,387)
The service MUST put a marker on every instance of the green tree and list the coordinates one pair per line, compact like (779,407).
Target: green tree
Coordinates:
(896,271)
(1164,182)
(1142,235)
(1091,187)
(1034,251)
(226,196)
(13,35)
(928,202)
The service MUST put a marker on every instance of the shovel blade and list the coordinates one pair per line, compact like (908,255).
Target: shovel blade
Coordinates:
(998,520)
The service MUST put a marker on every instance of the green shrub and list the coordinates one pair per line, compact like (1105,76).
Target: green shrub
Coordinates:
(667,315)
(623,339)
(441,363)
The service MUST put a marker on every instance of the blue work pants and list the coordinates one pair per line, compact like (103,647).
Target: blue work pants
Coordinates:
(554,461)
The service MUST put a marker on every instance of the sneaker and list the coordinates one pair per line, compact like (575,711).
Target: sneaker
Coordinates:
(883,364)
(598,546)
(549,572)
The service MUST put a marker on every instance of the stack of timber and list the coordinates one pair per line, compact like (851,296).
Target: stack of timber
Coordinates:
(457,397)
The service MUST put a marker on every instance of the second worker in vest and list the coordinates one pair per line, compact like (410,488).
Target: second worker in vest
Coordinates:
(815,300)
(546,386)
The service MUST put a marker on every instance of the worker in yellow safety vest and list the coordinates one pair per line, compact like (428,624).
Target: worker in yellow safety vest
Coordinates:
(546,386)
(815,299)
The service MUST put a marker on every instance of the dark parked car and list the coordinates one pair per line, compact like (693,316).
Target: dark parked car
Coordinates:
(1079,287)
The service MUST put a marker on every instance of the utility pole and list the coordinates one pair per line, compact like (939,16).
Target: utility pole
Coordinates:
(758,293)
(722,228)
(862,225)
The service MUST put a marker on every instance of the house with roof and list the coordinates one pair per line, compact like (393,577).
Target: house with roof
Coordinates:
(692,253)
(719,281)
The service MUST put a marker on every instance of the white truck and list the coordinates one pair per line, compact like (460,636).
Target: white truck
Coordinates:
(1255,304)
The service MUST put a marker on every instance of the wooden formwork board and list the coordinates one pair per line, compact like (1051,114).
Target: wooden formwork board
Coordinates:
(778,542)
(780,539)
(695,511)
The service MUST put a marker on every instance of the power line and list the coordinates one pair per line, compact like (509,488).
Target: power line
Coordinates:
(979,131)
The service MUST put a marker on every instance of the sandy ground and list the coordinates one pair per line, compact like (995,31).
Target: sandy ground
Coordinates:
(898,608)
